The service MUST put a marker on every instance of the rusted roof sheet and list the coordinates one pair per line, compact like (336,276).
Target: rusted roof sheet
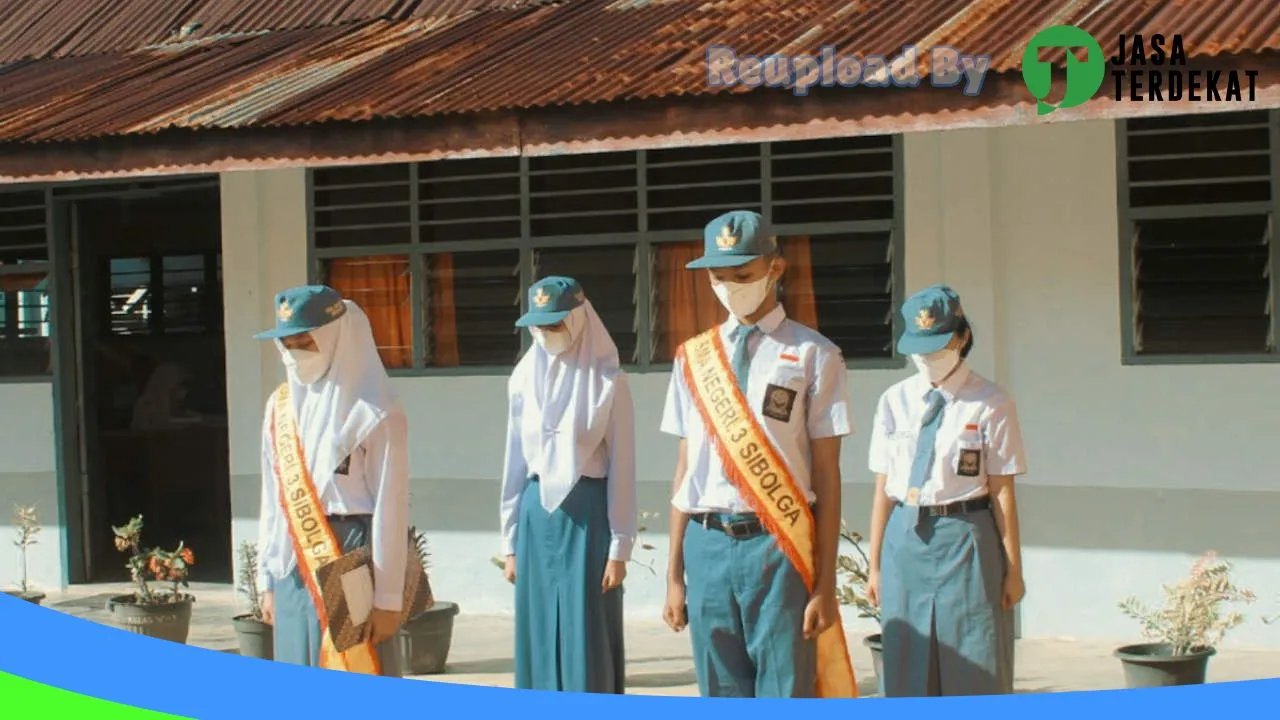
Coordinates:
(527,55)
(62,28)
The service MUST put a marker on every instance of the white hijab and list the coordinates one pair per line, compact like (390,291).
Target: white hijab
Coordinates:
(572,395)
(338,412)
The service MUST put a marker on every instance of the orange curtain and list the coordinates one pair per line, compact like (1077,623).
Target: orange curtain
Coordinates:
(444,314)
(797,284)
(380,286)
(688,306)
(15,283)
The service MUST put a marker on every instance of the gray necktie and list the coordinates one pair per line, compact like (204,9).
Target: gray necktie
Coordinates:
(923,461)
(741,360)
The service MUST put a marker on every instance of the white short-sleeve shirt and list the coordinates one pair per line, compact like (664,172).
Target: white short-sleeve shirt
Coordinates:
(979,436)
(785,355)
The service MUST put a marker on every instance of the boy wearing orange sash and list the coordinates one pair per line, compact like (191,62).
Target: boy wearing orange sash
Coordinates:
(759,404)
(335,478)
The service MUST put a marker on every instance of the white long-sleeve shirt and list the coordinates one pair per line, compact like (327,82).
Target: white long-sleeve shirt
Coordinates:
(376,483)
(614,459)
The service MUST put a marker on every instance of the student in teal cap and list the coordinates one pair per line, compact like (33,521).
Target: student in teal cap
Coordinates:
(759,404)
(568,511)
(946,559)
(335,478)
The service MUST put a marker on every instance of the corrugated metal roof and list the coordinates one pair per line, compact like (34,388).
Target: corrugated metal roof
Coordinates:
(536,55)
(62,28)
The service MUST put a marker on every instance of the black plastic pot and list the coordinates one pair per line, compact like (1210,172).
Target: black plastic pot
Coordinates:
(425,640)
(877,657)
(166,621)
(30,596)
(256,638)
(1152,665)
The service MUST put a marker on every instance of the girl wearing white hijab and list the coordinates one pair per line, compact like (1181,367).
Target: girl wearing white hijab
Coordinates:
(568,509)
(354,439)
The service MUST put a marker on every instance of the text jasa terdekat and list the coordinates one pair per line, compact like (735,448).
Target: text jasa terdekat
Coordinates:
(1155,69)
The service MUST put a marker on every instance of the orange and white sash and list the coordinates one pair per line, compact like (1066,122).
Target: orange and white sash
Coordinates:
(314,543)
(754,467)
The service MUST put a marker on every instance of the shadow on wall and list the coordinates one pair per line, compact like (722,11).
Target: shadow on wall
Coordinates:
(43,558)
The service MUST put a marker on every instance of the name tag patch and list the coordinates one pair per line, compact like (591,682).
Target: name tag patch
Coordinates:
(778,403)
(970,463)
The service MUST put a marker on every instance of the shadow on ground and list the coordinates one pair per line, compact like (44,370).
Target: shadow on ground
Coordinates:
(680,678)
(489,666)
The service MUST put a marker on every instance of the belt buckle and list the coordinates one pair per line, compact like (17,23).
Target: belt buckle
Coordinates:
(944,510)
(730,528)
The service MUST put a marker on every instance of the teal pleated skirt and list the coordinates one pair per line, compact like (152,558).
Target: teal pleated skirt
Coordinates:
(297,628)
(568,632)
(944,627)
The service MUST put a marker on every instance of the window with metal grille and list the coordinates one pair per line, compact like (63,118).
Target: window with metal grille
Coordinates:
(165,294)
(607,275)
(443,251)
(24,284)
(593,194)
(1199,209)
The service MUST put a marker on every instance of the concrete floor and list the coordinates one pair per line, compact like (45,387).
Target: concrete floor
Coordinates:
(658,661)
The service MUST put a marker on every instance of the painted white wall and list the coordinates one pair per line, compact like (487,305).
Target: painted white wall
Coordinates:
(264,246)
(27,477)
(1023,222)
(1091,423)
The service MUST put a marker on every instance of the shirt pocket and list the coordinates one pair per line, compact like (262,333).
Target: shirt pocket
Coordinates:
(969,460)
(784,400)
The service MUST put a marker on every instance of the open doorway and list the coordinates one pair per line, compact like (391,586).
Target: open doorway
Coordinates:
(151,378)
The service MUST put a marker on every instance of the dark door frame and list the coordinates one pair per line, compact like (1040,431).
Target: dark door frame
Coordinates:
(65,312)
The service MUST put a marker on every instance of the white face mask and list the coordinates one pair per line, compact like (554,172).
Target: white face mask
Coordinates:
(553,341)
(935,366)
(742,299)
(557,341)
(307,366)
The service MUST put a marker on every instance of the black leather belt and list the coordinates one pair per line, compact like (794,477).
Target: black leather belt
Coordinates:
(351,518)
(739,525)
(964,507)
(735,525)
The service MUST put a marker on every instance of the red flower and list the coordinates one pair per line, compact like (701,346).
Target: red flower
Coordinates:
(187,556)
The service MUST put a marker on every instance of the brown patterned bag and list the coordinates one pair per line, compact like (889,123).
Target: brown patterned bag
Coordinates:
(347,634)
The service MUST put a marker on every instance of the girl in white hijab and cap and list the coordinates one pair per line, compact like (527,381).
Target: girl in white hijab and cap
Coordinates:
(568,496)
(354,440)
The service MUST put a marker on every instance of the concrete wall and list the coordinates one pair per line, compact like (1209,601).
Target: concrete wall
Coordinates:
(264,248)
(1134,470)
(27,477)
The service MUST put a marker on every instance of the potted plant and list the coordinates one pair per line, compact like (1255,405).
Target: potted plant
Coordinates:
(853,572)
(1186,630)
(26,527)
(426,638)
(252,634)
(159,613)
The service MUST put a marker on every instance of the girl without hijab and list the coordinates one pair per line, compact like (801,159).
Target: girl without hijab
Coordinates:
(568,508)
(946,560)
(354,441)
